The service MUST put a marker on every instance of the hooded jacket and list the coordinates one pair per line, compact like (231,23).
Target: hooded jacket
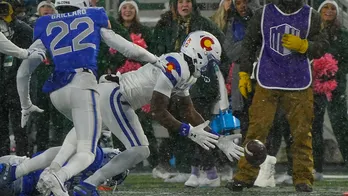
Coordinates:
(317,39)
(168,32)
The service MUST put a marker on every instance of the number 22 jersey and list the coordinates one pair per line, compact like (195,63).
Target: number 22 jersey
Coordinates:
(72,40)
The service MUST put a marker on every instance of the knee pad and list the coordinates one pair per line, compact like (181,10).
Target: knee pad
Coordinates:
(142,152)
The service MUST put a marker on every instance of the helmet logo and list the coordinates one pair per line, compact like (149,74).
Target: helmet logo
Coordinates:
(188,41)
(207,43)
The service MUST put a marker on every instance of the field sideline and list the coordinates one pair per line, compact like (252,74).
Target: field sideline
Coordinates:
(145,185)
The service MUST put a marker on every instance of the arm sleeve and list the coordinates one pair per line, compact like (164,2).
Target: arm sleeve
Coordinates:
(23,76)
(251,43)
(9,48)
(128,49)
(223,103)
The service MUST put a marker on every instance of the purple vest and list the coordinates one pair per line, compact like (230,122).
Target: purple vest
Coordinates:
(278,67)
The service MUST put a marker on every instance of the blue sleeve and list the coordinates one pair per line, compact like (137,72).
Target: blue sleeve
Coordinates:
(100,17)
(39,28)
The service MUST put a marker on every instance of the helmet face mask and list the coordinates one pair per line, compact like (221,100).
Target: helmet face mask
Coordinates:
(204,49)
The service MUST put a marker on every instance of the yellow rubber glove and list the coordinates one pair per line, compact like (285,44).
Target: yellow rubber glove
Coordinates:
(295,43)
(244,84)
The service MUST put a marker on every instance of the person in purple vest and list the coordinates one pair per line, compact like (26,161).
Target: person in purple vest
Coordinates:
(287,33)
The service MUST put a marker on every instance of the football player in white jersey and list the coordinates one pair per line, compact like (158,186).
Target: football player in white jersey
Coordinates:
(72,37)
(120,98)
(9,48)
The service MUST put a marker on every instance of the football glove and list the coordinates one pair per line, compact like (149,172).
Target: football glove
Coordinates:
(26,113)
(197,134)
(295,43)
(36,53)
(244,84)
(227,145)
(160,64)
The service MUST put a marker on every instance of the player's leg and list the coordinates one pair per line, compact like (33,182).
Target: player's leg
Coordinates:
(38,162)
(15,171)
(87,122)
(121,119)
(66,151)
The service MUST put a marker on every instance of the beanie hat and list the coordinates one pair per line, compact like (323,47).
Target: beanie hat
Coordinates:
(132,2)
(47,3)
(331,2)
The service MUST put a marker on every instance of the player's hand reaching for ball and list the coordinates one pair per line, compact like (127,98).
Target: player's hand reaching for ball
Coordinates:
(231,149)
(197,134)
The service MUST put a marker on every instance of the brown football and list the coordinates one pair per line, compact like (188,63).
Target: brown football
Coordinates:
(255,152)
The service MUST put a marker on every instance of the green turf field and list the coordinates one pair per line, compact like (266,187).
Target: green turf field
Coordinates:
(145,185)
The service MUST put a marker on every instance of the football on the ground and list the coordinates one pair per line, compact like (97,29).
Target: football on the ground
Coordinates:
(255,152)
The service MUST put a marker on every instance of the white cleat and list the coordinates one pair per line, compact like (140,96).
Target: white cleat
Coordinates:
(40,186)
(180,178)
(159,172)
(284,179)
(205,182)
(55,185)
(266,173)
(318,176)
(192,181)
(227,174)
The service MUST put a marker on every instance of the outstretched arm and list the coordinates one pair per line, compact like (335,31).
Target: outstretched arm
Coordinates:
(159,105)
(9,48)
(127,48)
(24,73)
(23,82)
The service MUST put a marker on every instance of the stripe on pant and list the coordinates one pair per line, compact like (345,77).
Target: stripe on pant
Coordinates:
(126,119)
(113,108)
(95,121)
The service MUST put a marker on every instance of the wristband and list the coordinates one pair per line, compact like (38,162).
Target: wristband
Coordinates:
(184,129)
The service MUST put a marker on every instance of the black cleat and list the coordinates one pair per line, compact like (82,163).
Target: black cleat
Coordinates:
(303,187)
(238,186)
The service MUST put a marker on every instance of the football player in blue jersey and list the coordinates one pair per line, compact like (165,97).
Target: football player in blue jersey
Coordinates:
(25,186)
(72,38)
(121,95)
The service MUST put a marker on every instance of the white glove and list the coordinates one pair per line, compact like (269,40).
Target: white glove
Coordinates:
(227,145)
(202,137)
(36,53)
(160,64)
(26,113)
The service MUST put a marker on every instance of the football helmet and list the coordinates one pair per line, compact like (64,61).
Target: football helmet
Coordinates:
(203,48)
(72,3)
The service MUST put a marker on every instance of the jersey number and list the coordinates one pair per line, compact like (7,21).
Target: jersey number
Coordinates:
(76,42)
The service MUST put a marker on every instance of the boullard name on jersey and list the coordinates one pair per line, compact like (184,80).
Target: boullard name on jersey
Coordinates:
(70,14)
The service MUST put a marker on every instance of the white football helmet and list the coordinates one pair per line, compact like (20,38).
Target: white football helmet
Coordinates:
(204,48)
(74,3)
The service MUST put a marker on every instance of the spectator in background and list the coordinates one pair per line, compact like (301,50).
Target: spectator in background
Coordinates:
(169,33)
(232,18)
(10,116)
(337,106)
(43,8)
(128,17)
